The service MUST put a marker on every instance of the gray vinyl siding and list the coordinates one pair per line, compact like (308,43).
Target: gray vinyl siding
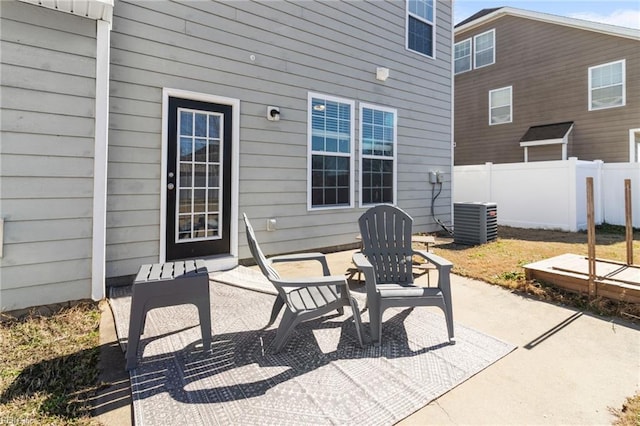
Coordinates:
(547,65)
(47,83)
(331,48)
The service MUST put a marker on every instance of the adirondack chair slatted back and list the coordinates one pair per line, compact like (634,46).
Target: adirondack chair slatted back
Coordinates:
(386,242)
(256,252)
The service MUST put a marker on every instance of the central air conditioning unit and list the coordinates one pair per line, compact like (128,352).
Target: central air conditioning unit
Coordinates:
(475,222)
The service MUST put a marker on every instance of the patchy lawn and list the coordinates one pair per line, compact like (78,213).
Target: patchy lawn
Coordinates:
(501,262)
(48,367)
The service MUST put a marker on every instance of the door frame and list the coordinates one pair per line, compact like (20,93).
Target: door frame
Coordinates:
(215,263)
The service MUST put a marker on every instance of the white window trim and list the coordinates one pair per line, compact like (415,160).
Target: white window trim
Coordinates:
(310,152)
(624,84)
(433,28)
(471,56)
(475,51)
(361,107)
(510,105)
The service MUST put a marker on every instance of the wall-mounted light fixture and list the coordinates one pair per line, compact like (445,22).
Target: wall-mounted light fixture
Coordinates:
(273,113)
(382,74)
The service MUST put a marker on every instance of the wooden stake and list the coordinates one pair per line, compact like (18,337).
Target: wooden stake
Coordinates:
(591,238)
(628,220)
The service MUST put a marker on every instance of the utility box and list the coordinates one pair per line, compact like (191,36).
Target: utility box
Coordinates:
(475,222)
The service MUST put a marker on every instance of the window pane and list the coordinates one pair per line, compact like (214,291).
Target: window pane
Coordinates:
(214,176)
(422,8)
(214,151)
(213,200)
(186,149)
(186,123)
(199,201)
(330,134)
(328,175)
(463,56)
(200,125)
(184,227)
(184,202)
(214,126)
(607,97)
(200,175)
(607,85)
(212,225)
(200,150)
(484,58)
(500,115)
(185,175)
(420,36)
(377,173)
(500,98)
(484,45)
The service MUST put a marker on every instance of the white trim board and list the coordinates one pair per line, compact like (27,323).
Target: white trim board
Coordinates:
(100,161)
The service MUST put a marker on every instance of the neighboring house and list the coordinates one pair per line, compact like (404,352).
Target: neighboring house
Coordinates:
(531,86)
(139,132)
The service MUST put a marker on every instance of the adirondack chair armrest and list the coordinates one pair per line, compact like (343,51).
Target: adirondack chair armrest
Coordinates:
(301,257)
(361,261)
(363,264)
(337,280)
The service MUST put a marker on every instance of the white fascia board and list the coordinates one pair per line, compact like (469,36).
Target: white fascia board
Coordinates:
(552,19)
(544,142)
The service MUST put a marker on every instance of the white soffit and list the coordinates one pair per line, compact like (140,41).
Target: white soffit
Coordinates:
(93,9)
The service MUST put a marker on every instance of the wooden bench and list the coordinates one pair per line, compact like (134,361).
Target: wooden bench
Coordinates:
(168,284)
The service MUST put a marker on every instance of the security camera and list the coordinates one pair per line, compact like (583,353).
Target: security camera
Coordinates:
(273,113)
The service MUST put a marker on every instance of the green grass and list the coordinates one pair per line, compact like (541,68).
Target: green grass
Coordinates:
(48,367)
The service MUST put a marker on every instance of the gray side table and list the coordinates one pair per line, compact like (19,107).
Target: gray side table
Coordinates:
(168,284)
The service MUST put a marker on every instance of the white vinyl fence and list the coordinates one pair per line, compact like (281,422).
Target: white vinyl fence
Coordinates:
(550,194)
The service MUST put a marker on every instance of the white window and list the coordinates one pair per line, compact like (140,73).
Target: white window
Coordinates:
(500,111)
(606,85)
(462,55)
(484,49)
(330,139)
(420,26)
(378,140)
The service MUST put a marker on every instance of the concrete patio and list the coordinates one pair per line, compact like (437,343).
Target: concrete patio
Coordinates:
(569,367)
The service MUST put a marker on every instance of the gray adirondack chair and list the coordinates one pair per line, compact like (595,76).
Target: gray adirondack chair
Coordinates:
(302,298)
(386,261)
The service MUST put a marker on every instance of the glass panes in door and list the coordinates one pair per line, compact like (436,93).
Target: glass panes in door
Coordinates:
(199,190)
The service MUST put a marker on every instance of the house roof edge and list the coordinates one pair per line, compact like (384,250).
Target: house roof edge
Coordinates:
(582,24)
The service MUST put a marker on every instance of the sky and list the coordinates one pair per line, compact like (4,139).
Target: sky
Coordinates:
(624,13)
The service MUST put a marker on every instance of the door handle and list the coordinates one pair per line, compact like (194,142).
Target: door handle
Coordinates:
(170,186)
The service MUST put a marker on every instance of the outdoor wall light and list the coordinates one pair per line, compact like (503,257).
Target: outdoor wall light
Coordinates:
(273,113)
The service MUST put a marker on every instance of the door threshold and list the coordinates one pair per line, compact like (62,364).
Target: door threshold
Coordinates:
(220,263)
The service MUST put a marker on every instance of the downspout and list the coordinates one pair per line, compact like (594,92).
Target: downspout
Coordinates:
(98,258)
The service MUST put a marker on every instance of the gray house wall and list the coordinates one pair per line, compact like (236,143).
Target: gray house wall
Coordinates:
(47,98)
(331,48)
(547,65)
